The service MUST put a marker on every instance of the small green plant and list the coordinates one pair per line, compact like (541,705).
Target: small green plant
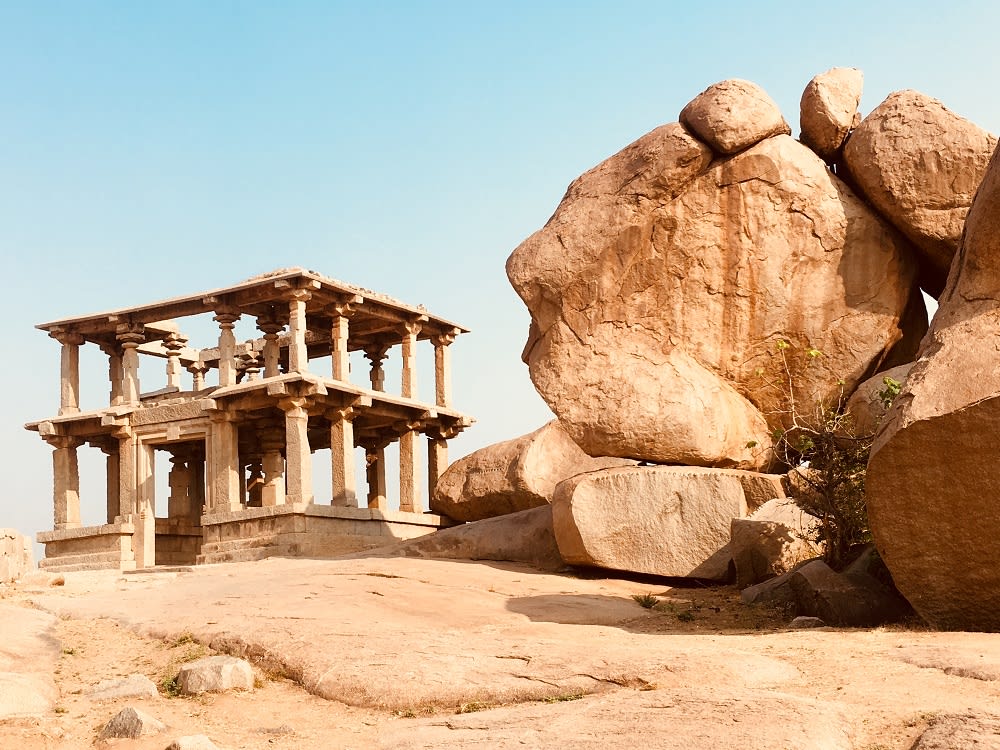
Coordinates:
(685,615)
(646,601)
(562,698)
(827,460)
(168,686)
(473,706)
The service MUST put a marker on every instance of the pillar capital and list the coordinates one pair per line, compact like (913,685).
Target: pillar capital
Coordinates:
(412,327)
(269,326)
(299,295)
(130,335)
(296,406)
(66,337)
(226,317)
(347,413)
(63,441)
(446,338)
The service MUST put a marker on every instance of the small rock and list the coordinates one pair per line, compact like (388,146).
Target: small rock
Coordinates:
(133,686)
(215,674)
(280,730)
(192,742)
(131,723)
(764,549)
(803,622)
(733,115)
(856,600)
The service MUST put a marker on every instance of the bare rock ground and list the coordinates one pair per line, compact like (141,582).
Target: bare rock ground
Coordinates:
(416,653)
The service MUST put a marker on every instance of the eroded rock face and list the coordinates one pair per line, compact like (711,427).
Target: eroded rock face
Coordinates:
(663,520)
(733,115)
(829,110)
(16,556)
(931,482)
(920,164)
(512,476)
(661,285)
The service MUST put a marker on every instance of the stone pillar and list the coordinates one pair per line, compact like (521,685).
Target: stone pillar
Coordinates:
(272,352)
(197,370)
(375,470)
(250,366)
(130,337)
(227,346)
(223,465)
(442,368)
(69,371)
(255,483)
(65,481)
(113,481)
(345,488)
(273,465)
(339,335)
(298,356)
(179,502)
(409,469)
(298,458)
(408,382)
(126,473)
(144,539)
(196,485)
(376,354)
(174,343)
(115,374)
(437,461)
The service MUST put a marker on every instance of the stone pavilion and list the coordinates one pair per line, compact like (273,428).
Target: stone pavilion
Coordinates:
(239,421)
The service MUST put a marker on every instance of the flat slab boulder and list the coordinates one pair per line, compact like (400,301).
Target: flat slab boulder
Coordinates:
(931,481)
(662,520)
(661,286)
(733,115)
(920,164)
(512,476)
(524,537)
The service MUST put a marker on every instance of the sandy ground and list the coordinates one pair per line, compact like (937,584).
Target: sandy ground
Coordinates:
(407,653)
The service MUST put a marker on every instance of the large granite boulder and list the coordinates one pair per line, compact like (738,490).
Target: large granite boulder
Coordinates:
(932,477)
(733,115)
(659,290)
(919,164)
(771,541)
(828,110)
(512,476)
(663,520)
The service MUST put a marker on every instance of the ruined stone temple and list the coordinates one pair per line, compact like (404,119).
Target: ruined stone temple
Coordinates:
(239,422)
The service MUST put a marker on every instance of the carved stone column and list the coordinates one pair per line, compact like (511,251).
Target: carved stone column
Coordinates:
(65,481)
(196,485)
(255,483)
(223,464)
(272,352)
(115,374)
(273,465)
(174,343)
(130,337)
(437,461)
(126,472)
(408,381)
(409,468)
(69,371)
(376,354)
(144,518)
(227,346)
(110,449)
(298,458)
(345,487)
(375,471)
(339,335)
(298,355)
(179,502)
(197,370)
(442,368)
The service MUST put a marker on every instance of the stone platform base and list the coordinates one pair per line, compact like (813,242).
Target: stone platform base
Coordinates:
(302,530)
(88,548)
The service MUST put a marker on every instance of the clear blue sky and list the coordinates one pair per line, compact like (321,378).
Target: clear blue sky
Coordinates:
(153,149)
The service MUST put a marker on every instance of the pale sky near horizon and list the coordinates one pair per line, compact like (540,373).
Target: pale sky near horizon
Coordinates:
(149,150)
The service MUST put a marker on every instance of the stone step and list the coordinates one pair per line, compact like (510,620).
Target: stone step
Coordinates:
(239,555)
(71,567)
(95,561)
(233,545)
